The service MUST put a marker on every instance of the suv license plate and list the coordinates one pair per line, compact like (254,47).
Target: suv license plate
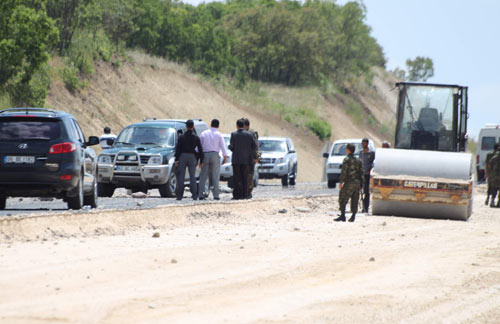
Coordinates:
(129,168)
(19,159)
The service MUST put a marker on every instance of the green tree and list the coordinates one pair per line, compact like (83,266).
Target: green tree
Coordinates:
(71,16)
(26,36)
(420,69)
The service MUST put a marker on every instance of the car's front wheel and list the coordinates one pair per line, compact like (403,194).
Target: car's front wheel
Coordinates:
(168,189)
(3,202)
(293,178)
(332,184)
(284,180)
(76,202)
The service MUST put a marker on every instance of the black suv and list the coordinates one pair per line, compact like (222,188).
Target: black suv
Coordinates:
(43,153)
(142,157)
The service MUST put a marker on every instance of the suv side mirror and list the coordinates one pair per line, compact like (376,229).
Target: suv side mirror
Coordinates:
(110,141)
(93,140)
(326,155)
(292,151)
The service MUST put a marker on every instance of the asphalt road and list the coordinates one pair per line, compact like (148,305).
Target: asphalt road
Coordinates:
(122,201)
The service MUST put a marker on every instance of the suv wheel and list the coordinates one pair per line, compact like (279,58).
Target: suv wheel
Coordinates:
(77,201)
(332,184)
(3,202)
(293,179)
(168,189)
(105,190)
(284,180)
(91,199)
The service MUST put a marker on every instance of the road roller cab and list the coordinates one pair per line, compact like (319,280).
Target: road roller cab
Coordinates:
(426,174)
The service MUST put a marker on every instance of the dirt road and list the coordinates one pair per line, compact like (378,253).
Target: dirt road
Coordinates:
(249,263)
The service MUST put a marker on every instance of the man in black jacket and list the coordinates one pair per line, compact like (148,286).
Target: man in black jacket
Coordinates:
(243,145)
(186,155)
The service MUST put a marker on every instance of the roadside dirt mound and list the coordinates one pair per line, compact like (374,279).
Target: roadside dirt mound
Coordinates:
(152,87)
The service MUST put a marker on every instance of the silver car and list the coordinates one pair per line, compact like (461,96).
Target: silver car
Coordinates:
(226,170)
(278,160)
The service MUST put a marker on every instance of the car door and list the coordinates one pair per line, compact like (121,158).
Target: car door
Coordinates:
(88,157)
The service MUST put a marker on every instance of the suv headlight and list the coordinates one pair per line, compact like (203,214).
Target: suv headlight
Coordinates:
(105,159)
(280,160)
(155,160)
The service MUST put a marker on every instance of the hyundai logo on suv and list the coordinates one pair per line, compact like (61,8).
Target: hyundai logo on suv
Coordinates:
(23,146)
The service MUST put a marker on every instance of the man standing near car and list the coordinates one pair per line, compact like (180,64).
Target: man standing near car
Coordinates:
(251,172)
(367,157)
(243,145)
(212,143)
(186,156)
(351,182)
(103,140)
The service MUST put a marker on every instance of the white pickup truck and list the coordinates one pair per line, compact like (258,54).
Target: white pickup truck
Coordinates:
(336,156)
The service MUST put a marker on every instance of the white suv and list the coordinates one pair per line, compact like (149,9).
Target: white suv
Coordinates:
(336,156)
(278,159)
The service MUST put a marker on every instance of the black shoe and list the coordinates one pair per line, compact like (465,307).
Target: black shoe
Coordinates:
(341,218)
(487,201)
(249,196)
(179,199)
(217,198)
(201,198)
(353,217)
(492,203)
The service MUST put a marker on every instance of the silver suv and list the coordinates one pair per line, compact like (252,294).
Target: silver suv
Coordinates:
(278,160)
(226,170)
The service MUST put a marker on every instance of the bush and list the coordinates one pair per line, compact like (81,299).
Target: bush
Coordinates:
(71,79)
(319,127)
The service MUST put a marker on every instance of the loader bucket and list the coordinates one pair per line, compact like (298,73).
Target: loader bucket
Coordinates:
(425,184)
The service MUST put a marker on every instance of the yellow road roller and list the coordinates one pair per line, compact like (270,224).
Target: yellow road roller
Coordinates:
(427,174)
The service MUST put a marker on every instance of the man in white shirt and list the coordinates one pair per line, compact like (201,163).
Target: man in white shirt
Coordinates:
(103,140)
(212,143)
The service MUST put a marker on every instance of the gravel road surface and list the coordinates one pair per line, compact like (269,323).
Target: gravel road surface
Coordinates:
(268,260)
(121,200)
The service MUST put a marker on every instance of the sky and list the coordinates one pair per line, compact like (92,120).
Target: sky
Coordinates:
(462,37)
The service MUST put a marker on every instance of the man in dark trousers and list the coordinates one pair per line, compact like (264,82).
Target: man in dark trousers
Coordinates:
(351,182)
(187,152)
(255,135)
(242,144)
(367,157)
(486,162)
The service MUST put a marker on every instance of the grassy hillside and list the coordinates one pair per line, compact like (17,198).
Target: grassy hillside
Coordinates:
(144,86)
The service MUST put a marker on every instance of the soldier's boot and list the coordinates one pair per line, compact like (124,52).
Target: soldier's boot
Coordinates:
(353,217)
(341,218)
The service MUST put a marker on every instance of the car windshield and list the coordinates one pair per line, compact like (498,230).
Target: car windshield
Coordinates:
(147,135)
(15,129)
(272,146)
(426,113)
(340,149)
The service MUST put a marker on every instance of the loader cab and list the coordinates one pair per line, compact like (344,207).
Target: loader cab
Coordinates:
(431,117)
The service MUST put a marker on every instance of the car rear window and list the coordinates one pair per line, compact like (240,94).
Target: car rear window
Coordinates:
(13,129)
(487,143)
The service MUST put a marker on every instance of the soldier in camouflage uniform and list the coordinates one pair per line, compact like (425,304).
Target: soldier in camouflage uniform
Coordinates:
(351,182)
(487,161)
(256,155)
(494,177)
